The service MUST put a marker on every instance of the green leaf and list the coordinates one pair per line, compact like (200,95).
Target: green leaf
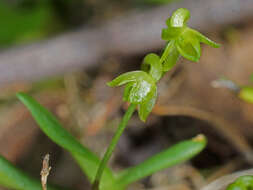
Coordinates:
(146,107)
(246,94)
(174,155)
(180,17)
(151,64)
(87,160)
(13,178)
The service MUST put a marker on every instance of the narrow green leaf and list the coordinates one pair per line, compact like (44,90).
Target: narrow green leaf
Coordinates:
(176,154)
(151,64)
(13,178)
(52,128)
(246,94)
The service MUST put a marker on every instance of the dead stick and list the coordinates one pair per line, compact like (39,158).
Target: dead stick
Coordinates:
(45,172)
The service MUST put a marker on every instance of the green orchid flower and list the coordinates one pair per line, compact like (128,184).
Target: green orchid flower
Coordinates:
(182,40)
(140,90)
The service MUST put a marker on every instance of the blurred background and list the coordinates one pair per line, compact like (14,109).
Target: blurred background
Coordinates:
(63,53)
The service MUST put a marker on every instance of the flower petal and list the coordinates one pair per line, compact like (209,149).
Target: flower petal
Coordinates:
(205,40)
(189,47)
(127,77)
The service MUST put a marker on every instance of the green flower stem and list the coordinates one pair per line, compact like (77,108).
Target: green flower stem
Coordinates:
(112,145)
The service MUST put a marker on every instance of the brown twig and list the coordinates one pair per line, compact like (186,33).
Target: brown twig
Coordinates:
(45,172)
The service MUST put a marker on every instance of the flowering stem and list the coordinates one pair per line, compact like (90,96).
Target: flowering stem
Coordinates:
(112,145)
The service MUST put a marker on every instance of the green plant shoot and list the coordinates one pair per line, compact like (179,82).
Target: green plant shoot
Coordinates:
(141,86)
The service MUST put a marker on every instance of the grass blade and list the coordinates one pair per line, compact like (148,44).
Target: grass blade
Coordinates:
(87,160)
(170,157)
